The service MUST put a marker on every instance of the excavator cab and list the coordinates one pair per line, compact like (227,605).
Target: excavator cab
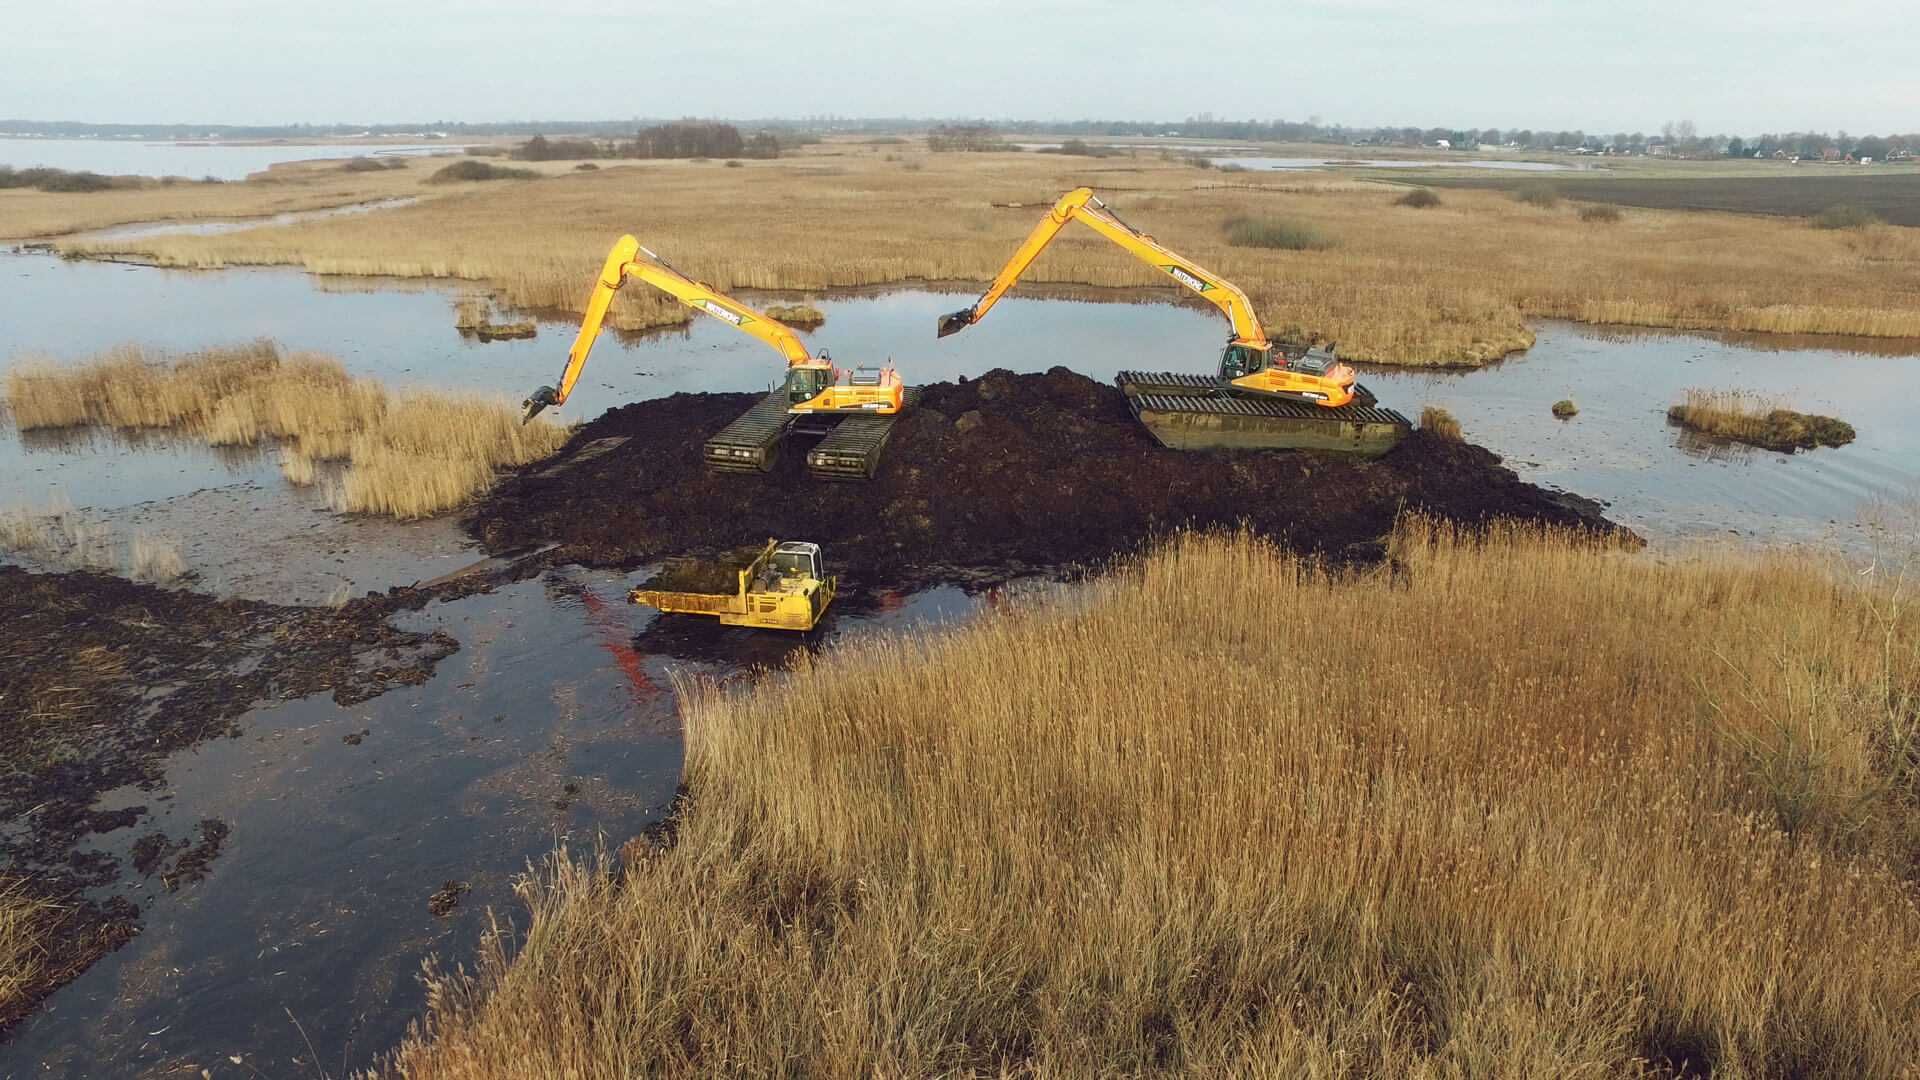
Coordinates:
(1240,361)
(806,382)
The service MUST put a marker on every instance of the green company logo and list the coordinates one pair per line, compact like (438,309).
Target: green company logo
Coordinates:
(1190,280)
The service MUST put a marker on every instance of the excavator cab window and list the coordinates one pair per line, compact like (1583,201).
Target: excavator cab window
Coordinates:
(1240,361)
(806,383)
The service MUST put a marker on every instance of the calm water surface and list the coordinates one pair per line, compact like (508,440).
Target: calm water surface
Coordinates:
(134,157)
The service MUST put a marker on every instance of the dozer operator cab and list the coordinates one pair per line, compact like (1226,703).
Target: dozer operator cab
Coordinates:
(794,560)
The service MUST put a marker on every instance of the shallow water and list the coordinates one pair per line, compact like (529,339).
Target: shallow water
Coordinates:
(318,906)
(1619,449)
(547,726)
(136,157)
(144,230)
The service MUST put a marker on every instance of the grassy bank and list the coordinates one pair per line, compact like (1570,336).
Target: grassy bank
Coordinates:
(1757,420)
(1514,807)
(408,455)
(1890,193)
(26,214)
(1452,284)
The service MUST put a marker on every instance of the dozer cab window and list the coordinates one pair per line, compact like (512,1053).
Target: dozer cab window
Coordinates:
(1241,360)
(805,384)
(794,564)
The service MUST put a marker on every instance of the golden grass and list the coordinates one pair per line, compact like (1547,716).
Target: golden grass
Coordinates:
(23,924)
(1441,422)
(433,451)
(1757,419)
(155,559)
(1454,284)
(1516,806)
(805,316)
(304,186)
(411,455)
(56,534)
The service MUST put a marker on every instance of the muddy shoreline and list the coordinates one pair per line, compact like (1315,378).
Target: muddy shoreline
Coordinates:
(106,679)
(1004,474)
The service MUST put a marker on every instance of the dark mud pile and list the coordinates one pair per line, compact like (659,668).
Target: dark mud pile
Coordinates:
(102,679)
(1005,473)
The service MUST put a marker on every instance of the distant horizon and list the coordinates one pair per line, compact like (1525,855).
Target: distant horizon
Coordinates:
(854,123)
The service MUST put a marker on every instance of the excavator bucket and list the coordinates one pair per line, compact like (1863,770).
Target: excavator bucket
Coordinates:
(541,398)
(954,323)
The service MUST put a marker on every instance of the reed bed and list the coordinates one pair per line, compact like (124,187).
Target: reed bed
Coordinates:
(1757,420)
(1517,806)
(23,923)
(1452,285)
(1441,422)
(57,534)
(409,455)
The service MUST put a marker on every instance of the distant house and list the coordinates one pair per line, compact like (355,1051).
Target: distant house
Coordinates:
(1443,144)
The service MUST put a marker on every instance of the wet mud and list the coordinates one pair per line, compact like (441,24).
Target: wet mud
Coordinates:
(104,679)
(1005,475)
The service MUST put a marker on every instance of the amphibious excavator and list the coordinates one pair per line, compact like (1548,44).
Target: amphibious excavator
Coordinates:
(854,409)
(1267,395)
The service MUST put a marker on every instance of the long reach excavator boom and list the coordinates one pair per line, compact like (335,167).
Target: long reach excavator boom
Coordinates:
(1251,364)
(855,410)
(813,384)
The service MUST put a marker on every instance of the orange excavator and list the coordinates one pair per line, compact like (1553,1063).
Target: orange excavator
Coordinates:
(1267,395)
(853,409)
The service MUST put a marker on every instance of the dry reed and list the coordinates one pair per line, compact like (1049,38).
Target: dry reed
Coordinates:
(1524,807)
(23,924)
(411,455)
(1757,420)
(1441,422)
(1454,284)
(155,559)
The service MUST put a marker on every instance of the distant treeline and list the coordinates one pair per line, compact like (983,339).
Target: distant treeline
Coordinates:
(64,180)
(686,139)
(1678,138)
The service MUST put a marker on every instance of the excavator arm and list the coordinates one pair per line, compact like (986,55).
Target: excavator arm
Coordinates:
(1082,205)
(624,262)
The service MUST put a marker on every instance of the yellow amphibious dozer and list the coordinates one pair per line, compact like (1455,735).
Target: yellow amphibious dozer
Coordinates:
(1267,395)
(785,587)
(854,410)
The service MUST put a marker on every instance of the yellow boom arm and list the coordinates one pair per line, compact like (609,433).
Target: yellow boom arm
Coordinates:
(1082,205)
(624,262)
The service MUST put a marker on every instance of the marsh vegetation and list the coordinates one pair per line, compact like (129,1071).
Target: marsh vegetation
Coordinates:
(1453,285)
(1689,850)
(1757,420)
(409,454)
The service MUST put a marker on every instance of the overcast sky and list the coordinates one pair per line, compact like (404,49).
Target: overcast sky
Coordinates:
(1738,66)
